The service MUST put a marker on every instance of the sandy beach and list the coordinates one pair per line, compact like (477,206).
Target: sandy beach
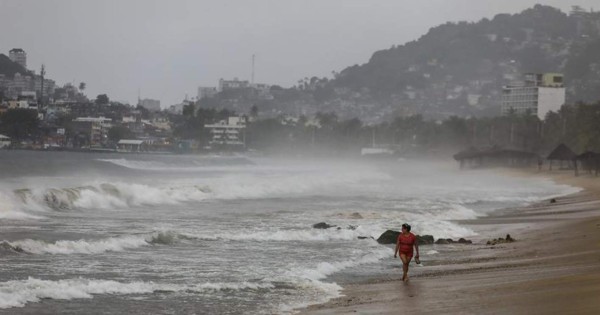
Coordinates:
(552,268)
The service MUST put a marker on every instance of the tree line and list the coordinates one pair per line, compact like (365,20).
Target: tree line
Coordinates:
(578,126)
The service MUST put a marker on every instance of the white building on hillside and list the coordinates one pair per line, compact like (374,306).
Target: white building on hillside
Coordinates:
(19,56)
(230,132)
(537,95)
(232,84)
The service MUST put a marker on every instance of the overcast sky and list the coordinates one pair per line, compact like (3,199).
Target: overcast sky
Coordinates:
(169,48)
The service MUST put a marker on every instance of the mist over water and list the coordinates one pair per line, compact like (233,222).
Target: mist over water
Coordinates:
(217,234)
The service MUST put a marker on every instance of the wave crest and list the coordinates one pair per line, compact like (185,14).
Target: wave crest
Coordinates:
(306,235)
(17,293)
(111,244)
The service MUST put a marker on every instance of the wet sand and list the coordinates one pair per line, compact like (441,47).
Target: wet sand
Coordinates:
(552,268)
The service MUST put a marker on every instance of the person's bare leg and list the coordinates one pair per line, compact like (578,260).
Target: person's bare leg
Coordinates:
(405,260)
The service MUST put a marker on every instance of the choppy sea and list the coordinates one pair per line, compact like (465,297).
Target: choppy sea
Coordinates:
(178,234)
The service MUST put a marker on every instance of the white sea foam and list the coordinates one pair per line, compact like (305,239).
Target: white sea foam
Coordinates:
(109,196)
(10,209)
(424,225)
(307,235)
(111,244)
(80,246)
(311,279)
(325,269)
(222,286)
(432,252)
(423,221)
(251,186)
(17,293)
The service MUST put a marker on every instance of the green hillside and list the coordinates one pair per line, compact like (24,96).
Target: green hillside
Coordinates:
(455,61)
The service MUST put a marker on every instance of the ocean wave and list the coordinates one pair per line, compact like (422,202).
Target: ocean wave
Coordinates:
(233,186)
(206,164)
(7,247)
(307,235)
(325,269)
(17,293)
(312,279)
(107,196)
(10,209)
(112,244)
(436,222)
(222,286)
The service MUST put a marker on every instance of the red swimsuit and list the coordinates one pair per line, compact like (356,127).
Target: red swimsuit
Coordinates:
(406,244)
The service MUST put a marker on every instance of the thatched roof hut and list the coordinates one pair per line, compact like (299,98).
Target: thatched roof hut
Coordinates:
(466,154)
(562,153)
(588,155)
(590,161)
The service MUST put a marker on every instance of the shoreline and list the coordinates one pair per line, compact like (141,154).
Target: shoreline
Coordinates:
(552,268)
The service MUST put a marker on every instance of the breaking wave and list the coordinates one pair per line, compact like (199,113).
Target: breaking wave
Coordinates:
(311,279)
(10,208)
(18,293)
(107,196)
(207,164)
(123,195)
(325,269)
(112,244)
(306,235)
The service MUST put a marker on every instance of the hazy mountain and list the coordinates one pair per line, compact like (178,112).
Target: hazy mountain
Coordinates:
(459,68)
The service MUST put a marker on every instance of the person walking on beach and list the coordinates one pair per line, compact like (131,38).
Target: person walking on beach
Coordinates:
(404,246)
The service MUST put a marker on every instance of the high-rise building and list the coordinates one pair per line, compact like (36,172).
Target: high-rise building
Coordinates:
(19,56)
(150,104)
(206,92)
(538,94)
(232,84)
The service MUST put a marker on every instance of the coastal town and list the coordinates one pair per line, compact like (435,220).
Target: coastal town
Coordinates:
(52,117)
(39,114)
(444,101)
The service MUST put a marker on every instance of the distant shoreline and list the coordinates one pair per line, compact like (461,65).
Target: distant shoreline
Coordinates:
(551,269)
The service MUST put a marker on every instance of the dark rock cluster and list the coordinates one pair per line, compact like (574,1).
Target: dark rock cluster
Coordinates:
(501,240)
